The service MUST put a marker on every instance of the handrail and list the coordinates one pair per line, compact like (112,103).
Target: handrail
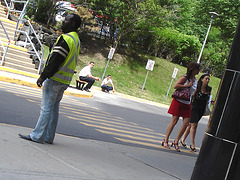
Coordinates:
(6,4)
(21,17)
(31,29)
(9,6)
(9,41)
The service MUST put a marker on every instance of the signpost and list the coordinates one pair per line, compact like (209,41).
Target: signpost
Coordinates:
(173,77)
(110,56)
(149,67)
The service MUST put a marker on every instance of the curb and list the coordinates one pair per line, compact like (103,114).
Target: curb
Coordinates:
(19,81)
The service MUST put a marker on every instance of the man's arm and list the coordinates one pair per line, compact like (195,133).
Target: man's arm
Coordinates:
(96,78)
(112,87)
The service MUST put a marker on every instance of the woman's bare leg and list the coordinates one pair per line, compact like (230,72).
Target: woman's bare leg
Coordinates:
(169,130)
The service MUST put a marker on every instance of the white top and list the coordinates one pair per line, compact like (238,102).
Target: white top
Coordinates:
(192,90)
(105,81)
(85,71)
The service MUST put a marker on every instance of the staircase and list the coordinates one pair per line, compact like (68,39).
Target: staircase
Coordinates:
(17,58)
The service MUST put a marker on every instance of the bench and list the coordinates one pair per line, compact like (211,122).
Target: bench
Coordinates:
(80,84)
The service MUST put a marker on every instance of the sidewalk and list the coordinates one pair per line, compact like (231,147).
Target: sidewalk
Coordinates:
(73,158)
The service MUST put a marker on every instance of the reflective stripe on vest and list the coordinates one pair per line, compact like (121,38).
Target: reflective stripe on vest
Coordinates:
(64,75)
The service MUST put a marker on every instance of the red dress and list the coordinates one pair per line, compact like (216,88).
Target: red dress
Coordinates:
(179,109)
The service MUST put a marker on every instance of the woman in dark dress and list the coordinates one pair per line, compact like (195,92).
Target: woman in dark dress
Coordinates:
(182,108)
(200,101)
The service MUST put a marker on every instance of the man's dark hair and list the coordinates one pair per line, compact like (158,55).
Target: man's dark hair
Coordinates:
(76,18)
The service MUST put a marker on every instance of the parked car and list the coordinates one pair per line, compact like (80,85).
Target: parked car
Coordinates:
(63,7)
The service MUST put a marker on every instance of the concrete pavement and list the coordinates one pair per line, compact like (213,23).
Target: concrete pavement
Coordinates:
(76,158)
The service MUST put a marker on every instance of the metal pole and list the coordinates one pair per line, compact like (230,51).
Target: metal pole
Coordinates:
(198,61)
(169,88)
(105,69)
(145,80)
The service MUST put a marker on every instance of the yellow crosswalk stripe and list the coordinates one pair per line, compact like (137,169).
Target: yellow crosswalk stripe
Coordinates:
(130,136)
(112,124)
(82,112)
(117,130)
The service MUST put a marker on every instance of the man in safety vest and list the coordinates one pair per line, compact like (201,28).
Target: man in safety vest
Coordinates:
(56,76)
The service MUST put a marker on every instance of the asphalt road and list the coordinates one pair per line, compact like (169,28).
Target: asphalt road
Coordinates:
(106,117)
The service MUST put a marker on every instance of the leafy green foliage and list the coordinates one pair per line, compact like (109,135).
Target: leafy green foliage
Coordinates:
(227,20)
(169,29)
(175,46)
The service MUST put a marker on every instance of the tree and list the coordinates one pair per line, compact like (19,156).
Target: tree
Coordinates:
(131,17)
(227,20)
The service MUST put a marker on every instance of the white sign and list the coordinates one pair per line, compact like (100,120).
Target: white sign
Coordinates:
(150,65)
(111,52)
(174,73)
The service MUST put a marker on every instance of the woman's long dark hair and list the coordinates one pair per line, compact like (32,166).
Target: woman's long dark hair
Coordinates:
(191,67)
(199,84)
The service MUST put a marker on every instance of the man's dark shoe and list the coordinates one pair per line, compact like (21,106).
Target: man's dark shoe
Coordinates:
(48,142)
(27,137)
(87,90)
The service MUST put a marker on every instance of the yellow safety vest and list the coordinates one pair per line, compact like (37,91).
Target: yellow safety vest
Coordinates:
(65,73)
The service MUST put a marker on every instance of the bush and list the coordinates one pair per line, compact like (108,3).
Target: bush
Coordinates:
(39,10)
(175,46)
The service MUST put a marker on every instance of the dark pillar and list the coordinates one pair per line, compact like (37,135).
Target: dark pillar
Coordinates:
(219,157)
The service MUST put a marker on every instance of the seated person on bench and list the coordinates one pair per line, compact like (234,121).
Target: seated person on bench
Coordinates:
(105,83)
(86,75)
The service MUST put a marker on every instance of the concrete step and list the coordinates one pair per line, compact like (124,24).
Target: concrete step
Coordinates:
(10,35)
(21,68)
(23,62)
(18,52)
(2,14)
(20,55)
(12,47)
(9,28)
(8,23)
(17,57)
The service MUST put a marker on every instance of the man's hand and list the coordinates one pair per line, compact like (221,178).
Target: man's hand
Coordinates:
(40,82)
(97,79)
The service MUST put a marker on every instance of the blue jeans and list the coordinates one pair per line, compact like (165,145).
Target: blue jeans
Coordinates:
(90,81)
(45,128)
(108,88)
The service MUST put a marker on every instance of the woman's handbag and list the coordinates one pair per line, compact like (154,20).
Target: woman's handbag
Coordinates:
(182,94)
(207,111)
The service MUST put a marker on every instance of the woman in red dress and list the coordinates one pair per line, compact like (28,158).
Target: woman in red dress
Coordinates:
(182,108)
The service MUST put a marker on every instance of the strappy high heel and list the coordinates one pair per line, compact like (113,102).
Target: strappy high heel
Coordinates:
(193,149)
(165,144)
(176,146)
(183,144)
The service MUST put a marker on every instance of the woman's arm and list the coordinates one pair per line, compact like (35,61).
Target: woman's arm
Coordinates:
(181,81)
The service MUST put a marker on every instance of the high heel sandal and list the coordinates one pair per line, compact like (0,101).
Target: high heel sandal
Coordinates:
(183,144)
(175,146)
(193,149)
(165,144)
